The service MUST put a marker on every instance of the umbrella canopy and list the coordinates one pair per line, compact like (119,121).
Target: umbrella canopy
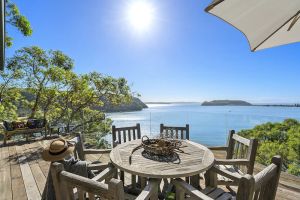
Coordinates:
(265,23)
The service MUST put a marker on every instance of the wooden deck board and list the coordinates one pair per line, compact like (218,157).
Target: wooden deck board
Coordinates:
(29,181)
(40,178)
(5,178)
(17,184)
(23,173)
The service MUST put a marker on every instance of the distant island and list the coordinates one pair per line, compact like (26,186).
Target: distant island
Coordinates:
(226,103)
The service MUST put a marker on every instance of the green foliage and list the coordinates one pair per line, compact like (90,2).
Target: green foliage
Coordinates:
(278,139)
(43,83)
(16,19)
(95,133)
(36,67)
(10,95)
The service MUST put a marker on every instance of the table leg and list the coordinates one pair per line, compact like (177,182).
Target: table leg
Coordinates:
(5,138)
(195,181)
(143,182)
(133,182)
(122,178)
(155,194)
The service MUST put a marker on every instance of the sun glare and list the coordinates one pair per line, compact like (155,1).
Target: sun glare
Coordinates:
(140,15)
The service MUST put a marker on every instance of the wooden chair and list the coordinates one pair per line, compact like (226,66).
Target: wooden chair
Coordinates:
(65,182)
(124,134)
(182,133)
(80,151)
(175,132)
(261,186)
(240,158)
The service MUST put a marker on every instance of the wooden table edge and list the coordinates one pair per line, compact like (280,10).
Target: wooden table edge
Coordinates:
(179,175)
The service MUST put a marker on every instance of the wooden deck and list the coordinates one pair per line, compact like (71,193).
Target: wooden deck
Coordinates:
(23,173)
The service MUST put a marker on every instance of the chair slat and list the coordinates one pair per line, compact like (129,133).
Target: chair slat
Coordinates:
(138,131)
(129,135)
(69,192)
(80,194)
(241,139)
(124,136)
(236,149)
(91,196)
(256,194)
(133,135)
(119,137)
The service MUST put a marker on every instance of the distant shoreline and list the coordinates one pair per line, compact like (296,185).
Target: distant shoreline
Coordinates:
(278,105)
(262,105)
(175,102)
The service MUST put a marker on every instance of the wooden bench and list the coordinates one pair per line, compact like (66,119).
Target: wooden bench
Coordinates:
(24,131)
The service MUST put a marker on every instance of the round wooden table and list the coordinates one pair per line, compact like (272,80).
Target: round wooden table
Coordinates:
(194,160)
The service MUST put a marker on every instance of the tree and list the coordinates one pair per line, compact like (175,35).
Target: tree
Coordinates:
(36,67)
(53,91)
(16,19)
(83,94)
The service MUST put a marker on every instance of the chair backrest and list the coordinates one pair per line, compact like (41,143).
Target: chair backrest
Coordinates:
(64,183)
(79,146)
(124,134)
(175,132)
(242,148)
(263,185)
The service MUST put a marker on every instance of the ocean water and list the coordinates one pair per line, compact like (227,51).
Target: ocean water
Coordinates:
(209,125)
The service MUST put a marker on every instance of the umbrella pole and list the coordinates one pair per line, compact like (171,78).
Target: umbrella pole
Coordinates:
(2,34)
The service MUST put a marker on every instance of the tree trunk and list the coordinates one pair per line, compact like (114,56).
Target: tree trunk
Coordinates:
(35,105)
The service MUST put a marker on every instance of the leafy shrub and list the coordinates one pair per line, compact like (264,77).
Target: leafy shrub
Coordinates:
(278,139)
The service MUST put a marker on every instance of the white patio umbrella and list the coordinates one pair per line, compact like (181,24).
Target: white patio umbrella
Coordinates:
(265,23)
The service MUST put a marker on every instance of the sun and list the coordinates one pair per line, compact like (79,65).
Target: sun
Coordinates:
(140,15)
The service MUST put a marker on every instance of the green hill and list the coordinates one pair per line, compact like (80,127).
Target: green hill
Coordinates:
(135,105)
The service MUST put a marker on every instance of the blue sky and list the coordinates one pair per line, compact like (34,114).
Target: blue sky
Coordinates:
(185,55)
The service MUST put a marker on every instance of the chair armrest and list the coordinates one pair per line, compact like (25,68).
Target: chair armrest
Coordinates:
(232,162)
(219,148)
(98,166)
(151,190)
(95,151)
(187,188)
(108,173)
(226,173)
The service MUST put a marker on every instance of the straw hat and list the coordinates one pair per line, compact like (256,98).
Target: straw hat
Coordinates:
(58,150)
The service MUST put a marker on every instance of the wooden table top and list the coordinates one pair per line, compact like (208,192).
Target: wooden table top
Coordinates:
(194,159)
